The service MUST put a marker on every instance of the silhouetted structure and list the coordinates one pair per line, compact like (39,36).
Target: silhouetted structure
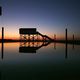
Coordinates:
(31,34)
(66,34)
(54,36)
(66,43)
(73,41)
(27,31)
(2,34)
(2,42)
(0,10)
(73,37)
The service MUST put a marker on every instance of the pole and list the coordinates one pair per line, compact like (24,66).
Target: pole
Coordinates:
(73,37)
(73,41)
(66,34)
(66,46)
(2,34)
(54,36)
(2,42)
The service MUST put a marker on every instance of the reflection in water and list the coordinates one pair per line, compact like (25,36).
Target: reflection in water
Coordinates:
(31,47)
(2,50)
(0,76)
(73,46)
(47,63)
(66,50)
(54,45)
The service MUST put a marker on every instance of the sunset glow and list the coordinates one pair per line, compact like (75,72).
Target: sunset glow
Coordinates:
(50,19)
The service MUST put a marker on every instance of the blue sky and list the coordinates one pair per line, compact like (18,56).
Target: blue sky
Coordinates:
(48,16)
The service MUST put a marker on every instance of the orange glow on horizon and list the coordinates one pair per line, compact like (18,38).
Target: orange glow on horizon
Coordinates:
(17,36)
(10,36)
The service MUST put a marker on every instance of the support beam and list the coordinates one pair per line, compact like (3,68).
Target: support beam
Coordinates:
(2,34)
(54,36)
(73,41)
(66,45)
(2,49)
(66,34)
(28,37)
(73,37)
(66,50)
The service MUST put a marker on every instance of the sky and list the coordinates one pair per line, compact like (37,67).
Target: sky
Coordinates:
(48,16)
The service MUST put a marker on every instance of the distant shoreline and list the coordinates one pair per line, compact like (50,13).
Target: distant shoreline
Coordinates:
(57,41)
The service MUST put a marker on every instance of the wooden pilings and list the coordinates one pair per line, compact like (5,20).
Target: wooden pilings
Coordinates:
(2,34)
(2,49)
(66,46)
(66,34)
(54,36)
(73,37)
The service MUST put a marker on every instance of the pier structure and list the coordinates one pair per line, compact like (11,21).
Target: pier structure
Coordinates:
(31,34)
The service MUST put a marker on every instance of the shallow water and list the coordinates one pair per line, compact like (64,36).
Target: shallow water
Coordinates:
(52,61)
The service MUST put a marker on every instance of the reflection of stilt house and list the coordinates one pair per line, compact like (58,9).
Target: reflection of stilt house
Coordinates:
(31,47)
(31,34)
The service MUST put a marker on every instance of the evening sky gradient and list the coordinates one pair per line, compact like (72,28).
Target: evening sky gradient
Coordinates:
(48,16)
